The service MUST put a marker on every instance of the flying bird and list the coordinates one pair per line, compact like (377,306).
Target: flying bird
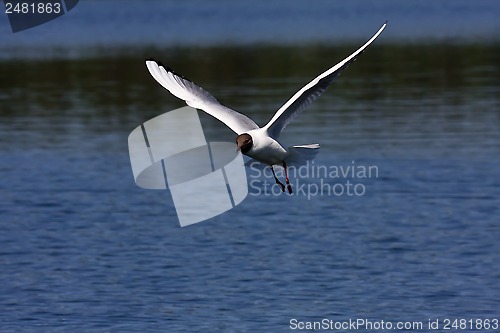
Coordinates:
(259,143)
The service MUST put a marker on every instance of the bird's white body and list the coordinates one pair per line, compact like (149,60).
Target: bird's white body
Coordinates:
(265,148)
(264,144)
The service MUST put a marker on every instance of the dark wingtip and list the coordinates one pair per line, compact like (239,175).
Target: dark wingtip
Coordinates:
(149,59)
(168,69)
(160,64)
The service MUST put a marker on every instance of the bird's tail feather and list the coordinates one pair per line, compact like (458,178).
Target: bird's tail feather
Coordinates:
(301,154)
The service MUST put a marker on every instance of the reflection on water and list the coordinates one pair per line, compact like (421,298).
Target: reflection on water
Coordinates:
(84,249)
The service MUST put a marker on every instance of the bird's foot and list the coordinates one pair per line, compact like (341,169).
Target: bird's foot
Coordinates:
(288,186)
(281,185)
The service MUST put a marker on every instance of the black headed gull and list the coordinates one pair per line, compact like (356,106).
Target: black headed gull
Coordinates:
(257,142)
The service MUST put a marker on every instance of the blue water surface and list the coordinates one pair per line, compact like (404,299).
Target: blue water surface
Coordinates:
(83,249)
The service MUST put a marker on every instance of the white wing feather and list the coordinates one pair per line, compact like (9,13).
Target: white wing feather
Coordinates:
(199,98)
(305,96)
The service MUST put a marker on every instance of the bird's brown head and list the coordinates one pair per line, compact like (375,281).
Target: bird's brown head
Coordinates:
(244,142)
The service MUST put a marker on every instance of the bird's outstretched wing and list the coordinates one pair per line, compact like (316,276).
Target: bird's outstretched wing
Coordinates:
(305,96)
(199,98)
